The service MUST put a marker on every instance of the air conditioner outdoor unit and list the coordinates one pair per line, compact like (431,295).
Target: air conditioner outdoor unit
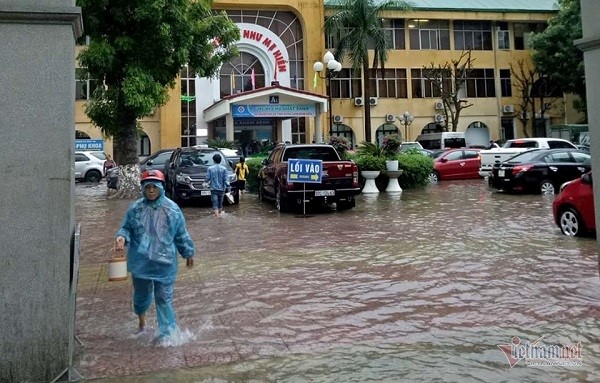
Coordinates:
(439,105)
(508,109)
(373,101)
(438,118)
(337,118)
(358,101)
(390,118)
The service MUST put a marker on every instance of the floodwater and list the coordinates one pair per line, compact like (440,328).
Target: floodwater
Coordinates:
(423,286)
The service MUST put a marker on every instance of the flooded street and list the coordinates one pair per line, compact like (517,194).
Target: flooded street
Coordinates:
(418,287)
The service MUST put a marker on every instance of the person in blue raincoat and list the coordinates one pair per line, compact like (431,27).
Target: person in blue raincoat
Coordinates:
(154,231)
(218,178)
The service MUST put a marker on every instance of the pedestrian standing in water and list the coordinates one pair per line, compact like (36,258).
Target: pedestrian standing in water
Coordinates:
(154,231)
(241,171)
(218,177)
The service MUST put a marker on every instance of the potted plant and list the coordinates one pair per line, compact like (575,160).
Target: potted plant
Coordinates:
(391,147)
(370,166)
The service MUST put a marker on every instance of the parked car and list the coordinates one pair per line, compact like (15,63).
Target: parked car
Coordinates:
(339,183)
(456,164)
(511,148)
(540,170)
(408,145)
(186,173)
(232,155)
(443,140)
(573,208)
(89,166)
(156,161)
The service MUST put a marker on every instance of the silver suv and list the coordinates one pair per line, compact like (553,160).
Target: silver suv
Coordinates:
(89,166)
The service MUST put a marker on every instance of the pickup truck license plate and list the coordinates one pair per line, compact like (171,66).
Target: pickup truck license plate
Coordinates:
(501,173)
(324,193)
(205,192)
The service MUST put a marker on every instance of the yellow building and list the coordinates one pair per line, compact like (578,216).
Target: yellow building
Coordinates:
(267,93)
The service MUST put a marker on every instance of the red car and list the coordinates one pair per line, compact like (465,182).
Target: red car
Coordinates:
(456,164)
(573,208)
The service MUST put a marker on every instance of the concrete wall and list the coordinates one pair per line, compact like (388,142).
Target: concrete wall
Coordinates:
(590,44)
(37,78)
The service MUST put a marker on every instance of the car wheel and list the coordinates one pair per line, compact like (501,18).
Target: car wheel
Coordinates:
(570,223)
(434,177)
(547,187)
(93,176)
(280,202)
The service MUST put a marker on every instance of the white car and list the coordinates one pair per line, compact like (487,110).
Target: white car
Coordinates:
(89,166)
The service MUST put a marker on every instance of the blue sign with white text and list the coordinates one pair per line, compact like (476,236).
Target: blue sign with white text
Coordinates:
(307,171)
(89,145)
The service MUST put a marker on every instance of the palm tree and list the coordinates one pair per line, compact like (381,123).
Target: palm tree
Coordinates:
(359,23)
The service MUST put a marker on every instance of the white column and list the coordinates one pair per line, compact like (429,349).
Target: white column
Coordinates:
(229,127)
(319,124)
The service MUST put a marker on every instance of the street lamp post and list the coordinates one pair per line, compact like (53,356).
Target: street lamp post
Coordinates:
(333,67)
(406,119)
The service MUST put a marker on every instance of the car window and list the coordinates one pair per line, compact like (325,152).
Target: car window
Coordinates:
(159,159)
(521,144)
(199,158)
(80,157)
(454,143)
(558,157)
(581,158)
(99,155)
(553,144)
(523,157)
(470,154)
(311,153)
(453,156)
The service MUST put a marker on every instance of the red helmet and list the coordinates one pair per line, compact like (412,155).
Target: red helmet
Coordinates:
(153,175)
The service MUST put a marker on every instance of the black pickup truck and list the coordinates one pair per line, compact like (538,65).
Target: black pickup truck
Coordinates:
(339,181)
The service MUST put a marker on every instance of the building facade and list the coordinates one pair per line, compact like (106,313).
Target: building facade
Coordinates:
(269,92)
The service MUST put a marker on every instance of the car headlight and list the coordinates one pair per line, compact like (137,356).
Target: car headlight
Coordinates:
(183,178)
(232,177)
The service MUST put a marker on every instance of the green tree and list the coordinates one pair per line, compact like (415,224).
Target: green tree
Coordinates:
(359,25)
(555,55)
(137,49)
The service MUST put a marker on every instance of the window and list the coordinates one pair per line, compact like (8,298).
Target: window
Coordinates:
(505,83)
(421,86)
(480,83)
(523,31)
(457,155)
(299,130)
(558,157)
(84,85)
(475,35)
(581,158)
(394,33)
(144,148)
(393,86)
(385,130)
(343,131)
(559,145)
(188,106)
(346,85)
(471,154)
(503,35)
(429,34)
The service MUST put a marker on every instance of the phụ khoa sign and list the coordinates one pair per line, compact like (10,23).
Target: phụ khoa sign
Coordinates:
(97,145)
(307,171)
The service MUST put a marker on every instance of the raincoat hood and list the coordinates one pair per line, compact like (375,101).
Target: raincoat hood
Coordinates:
(159,185)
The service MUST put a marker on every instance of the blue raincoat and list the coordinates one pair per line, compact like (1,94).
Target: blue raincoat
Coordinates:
(154,232)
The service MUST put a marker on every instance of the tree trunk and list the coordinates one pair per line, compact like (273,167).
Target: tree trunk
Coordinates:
(125,148)
(367,98)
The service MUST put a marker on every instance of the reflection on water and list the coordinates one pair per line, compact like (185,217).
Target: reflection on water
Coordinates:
(416,287)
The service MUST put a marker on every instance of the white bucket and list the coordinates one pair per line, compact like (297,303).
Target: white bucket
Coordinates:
(117,267)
